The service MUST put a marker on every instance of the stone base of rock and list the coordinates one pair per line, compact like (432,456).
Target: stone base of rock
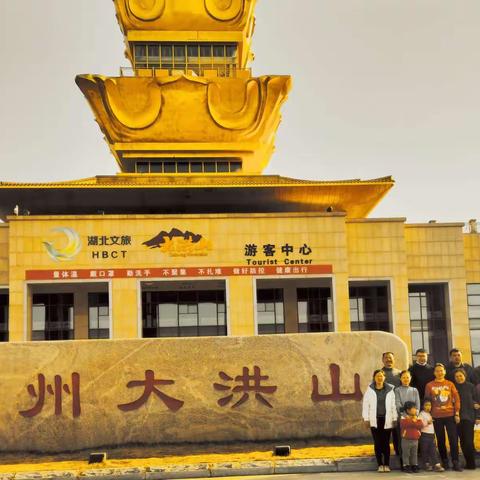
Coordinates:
(305,466)
(178,471)
(356,464)
(114,474)
(45,476)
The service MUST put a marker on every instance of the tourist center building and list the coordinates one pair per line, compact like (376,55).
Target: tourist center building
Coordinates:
(191,239)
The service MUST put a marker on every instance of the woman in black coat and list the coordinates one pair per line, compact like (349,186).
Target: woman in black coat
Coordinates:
(469,415)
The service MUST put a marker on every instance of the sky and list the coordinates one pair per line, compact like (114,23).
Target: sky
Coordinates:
(380,87)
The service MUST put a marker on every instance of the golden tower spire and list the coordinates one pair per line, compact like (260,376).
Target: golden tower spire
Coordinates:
(188,104)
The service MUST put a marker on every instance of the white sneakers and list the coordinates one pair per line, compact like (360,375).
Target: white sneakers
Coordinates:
(383,469)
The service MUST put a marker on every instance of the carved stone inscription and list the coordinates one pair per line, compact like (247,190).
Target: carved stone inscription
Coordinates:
(74,395)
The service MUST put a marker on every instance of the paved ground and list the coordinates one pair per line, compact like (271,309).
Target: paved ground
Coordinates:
(467,474)
(284,469)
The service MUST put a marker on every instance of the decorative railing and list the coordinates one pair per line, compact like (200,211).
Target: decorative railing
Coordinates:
(225,71)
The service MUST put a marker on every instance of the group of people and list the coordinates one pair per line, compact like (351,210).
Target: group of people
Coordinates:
(417,406)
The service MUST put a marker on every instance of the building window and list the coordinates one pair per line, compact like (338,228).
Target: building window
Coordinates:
(186,165)
(314,310)
(52,316)
(143,167)
(3,317)
(98,315)
(428,319)
(196,57)
(184,314)
(369,307)
(473,295)
(270,313)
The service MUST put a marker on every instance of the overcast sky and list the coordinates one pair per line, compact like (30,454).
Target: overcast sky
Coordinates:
(381,87)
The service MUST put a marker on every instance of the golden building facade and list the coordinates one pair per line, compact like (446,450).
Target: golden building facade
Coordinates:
(190,239)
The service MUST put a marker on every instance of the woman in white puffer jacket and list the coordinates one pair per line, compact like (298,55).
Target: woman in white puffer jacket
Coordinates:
(380,415)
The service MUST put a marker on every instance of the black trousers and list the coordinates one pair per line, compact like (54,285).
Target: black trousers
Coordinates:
(429,449)
(465,431)
(440,425)
(397,444)
(381,442)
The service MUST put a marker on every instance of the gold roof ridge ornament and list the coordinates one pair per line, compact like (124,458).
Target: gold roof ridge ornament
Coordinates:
(146,10)
(228,15)
(225,10)
(151,10)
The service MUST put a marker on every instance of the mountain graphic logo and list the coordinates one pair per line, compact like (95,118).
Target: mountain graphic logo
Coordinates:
(180,244)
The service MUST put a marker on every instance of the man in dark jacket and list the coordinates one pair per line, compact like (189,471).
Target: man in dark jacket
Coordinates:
(477,375)
(421,371)
(456,362)
(392,376)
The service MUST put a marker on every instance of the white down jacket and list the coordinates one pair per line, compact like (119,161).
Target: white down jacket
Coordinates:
(369,410)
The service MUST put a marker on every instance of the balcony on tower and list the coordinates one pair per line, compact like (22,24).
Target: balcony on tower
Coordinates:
(199,37)
(201,59)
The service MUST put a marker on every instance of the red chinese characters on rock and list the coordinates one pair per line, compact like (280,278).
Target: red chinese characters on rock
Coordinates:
(57,391)
(149,385)
(336,396)
(248,384)
(245,384)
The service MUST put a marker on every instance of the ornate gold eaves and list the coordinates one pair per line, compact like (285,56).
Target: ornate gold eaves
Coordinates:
(354,197)
(235,116)
(188,110)
(184,15)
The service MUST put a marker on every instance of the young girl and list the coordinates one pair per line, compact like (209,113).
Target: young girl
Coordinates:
(410,428)
(427,439)
(405,393)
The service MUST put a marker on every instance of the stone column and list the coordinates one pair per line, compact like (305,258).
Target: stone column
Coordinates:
(81,313)
(125,314)
(400,308)
(16,319)
(459,321)
(341,301)
(240,306)
(290,307)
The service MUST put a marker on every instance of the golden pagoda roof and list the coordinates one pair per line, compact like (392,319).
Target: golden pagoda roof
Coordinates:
(186,115)
(169,194)
(188,21)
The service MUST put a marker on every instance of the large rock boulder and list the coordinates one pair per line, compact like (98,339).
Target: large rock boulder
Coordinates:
(58,396)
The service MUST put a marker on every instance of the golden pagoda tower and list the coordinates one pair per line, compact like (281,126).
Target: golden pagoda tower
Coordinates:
(189,103)
(188,112)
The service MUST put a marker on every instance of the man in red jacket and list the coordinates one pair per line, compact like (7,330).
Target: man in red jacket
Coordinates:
(410,431)
(445,413)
